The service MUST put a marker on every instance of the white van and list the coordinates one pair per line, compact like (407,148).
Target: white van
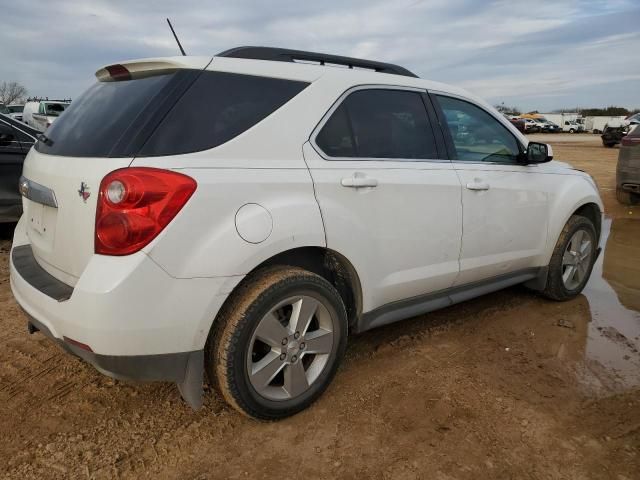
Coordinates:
(42,113)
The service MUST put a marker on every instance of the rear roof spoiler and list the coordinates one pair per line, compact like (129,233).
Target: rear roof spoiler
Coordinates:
(147,67)
(286,55)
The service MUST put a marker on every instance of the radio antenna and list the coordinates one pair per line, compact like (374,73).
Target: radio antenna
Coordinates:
(176,37)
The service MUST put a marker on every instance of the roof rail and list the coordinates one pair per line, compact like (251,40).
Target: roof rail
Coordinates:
(286,55)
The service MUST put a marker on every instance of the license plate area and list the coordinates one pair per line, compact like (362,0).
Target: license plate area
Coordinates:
(36,218)
(41,222)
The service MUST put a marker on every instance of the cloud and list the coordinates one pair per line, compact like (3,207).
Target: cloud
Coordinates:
(550,55)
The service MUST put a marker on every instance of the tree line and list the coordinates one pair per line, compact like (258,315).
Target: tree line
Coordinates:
(610,111)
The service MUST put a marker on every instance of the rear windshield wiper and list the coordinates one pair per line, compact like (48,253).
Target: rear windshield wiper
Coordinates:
(44,139)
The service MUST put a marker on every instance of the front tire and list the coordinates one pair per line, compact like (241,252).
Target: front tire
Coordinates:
(572,259)
(277,343)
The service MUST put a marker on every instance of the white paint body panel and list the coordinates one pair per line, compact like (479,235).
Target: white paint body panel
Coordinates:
(419,231)
(403,236)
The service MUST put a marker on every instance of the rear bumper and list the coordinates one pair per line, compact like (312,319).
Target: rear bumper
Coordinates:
(126,316)
(169,367)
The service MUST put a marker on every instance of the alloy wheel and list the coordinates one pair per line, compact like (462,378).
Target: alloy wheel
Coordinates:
(577,259)
(290,347)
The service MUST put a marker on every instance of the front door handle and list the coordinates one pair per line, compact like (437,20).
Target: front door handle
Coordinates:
(358,181)
(478,185)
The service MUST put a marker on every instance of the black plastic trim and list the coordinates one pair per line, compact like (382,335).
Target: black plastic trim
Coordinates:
(400,310)
(28,268)
(184,368)
(287,55)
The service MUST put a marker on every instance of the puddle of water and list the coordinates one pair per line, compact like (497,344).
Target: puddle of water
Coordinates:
(613,292)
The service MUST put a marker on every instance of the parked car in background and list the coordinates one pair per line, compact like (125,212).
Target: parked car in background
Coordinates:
(634,119)
(15,111)
(530,125)
(241,215)
(16,139)
(553,127)
(41,114)
(597,124)
(628,169)
(516,122)
(572,126)
(613,134)
(569,122)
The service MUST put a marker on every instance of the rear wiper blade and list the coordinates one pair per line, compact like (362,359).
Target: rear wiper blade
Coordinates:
(44,139)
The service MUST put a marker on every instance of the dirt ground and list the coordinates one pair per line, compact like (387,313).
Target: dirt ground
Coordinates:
(508,386)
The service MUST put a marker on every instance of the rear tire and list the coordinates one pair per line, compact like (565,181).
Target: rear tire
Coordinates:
(277,343)
(572,260)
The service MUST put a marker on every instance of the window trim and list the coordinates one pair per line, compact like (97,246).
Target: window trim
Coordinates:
(442,155)
(446,132)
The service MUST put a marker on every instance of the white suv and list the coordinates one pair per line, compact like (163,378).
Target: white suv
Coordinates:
(241,214)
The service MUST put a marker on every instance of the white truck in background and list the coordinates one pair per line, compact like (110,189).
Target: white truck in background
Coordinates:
(569,122)
(597,124)
(40,114)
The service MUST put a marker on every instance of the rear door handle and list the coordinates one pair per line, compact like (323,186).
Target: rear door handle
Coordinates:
(476,185)
(358,181)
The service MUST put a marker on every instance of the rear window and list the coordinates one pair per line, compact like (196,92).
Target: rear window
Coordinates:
(94,124)
(16,108)
(181,112)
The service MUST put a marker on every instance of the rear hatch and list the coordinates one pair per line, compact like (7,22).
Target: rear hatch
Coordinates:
(100,132)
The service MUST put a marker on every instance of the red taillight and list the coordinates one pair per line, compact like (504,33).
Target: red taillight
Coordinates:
(135,204)
(630,141)
(118,72)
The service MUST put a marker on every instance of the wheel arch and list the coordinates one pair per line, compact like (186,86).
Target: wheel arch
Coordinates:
(329,264)
(579,197)
(592,212)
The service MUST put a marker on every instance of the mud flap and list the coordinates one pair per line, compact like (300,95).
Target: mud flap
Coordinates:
(540,282)
(191,387)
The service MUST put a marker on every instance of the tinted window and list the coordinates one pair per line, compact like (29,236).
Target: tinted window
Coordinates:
(335,138)
(477,135)
(94,123)
(16,108)
(379,123)
(218,107)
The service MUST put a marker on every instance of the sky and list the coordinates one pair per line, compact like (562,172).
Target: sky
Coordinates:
(533,54)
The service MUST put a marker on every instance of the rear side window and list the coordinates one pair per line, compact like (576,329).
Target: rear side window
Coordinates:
(168,114)
(379,123)
(218,107)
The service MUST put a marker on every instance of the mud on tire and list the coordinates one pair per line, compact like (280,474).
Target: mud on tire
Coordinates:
(233,338)
(556,289)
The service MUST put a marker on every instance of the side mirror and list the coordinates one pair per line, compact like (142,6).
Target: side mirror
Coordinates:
(538,153)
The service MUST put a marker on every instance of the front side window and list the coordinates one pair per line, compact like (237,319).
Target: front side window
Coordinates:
(379,123)
(477,136)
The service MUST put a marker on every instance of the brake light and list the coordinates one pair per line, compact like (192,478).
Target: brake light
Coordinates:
(118,72)
(630,141)
(134,206)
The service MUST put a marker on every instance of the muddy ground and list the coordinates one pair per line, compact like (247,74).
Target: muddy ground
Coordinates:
(506,386)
